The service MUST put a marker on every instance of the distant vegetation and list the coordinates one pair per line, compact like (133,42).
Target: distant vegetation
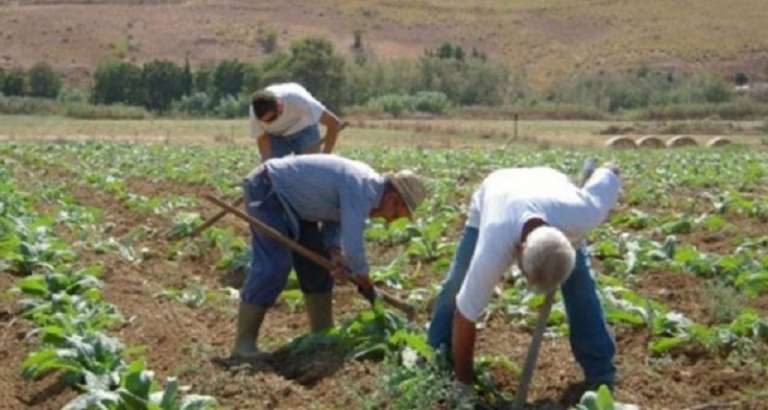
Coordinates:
(442,79)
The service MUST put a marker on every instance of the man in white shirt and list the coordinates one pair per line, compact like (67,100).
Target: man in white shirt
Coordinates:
(284,121)
(532,216)
(285,118)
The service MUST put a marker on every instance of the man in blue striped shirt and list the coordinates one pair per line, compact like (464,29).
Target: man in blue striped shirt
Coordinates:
(340,193)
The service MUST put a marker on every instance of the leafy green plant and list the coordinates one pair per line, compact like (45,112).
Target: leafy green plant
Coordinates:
(134,387)
(184,223)
(601,400)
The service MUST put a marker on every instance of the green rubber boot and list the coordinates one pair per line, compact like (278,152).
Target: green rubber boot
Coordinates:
(320,310)
(249,319)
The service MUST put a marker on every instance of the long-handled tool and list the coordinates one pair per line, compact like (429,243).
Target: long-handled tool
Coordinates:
(212,220)
(314,257)
(215,218)
(541,322)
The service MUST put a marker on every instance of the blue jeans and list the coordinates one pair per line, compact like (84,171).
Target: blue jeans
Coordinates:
(298,143)
(272,261)
(591,341)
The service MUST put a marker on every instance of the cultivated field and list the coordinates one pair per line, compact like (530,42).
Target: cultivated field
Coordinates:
(682,267)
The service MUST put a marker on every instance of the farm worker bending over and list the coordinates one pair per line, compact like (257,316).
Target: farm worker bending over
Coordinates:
(340,193)
(531,216)
(284,120)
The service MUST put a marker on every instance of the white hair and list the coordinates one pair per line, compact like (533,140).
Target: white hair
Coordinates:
(547,258)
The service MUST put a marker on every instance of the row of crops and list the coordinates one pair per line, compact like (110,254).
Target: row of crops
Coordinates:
(691,213)
(64,303)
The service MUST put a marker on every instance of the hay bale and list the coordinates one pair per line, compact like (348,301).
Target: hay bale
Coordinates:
(621,143)
(650,142)
(681,141)
(718,142)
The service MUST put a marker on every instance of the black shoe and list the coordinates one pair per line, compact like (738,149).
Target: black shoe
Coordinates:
(572,394)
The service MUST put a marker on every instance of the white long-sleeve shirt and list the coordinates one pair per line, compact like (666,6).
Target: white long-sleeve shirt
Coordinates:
(508,198)
(300,110)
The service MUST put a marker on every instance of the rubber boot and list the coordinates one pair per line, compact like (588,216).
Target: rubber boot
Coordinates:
(249,319)
(320,310)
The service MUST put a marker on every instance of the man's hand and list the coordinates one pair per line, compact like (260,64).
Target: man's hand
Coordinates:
(340,271)
(365,287)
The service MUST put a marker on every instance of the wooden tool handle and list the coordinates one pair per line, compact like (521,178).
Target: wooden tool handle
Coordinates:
(207,224)
(314,257)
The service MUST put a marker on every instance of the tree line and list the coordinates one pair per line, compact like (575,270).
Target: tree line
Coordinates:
(444,77)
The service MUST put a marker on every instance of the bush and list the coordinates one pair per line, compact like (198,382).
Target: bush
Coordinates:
(228,78)
(202,80)
(232,107)
(466,82)
(105,112)
(72,95)
(164,81)
(198,104)
(641,88)
(13,83)
(431,101)
(396,104)
(43,81)
(118,82)
(16,105)
(367,81)
(315,65)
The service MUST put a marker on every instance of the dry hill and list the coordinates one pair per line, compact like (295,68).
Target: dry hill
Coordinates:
(547,39)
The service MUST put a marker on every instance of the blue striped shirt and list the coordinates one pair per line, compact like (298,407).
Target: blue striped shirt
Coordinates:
(336,191)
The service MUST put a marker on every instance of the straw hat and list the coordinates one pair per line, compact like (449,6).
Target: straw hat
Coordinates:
(410,186)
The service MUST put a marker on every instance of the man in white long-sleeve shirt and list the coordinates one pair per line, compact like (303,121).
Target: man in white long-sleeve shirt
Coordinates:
(533,216)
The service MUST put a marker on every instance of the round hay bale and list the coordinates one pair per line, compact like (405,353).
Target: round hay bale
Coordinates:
(650,142)
(681,141)
(718,142)
(621,143)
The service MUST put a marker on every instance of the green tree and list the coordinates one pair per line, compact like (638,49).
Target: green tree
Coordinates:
(251,79)
(163,82)
(228,78)
(13,84)
(43,81)
(276,69)
(187,80)
(203,79)
(118,82)
(314,64)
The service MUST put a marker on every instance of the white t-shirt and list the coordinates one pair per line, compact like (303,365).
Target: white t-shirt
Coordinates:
(506,200)
(300,110)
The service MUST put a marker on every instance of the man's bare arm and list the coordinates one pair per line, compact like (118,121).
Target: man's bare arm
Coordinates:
(332,126)
(463,343)
(265,147)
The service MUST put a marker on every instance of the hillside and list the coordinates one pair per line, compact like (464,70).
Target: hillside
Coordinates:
(545,39)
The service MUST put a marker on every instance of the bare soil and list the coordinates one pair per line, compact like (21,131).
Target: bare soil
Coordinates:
(193,343)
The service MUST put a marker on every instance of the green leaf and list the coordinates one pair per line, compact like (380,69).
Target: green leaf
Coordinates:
(665,344)
(170,394)
(604,398)
(138,381)
(33,285)
(197,402)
